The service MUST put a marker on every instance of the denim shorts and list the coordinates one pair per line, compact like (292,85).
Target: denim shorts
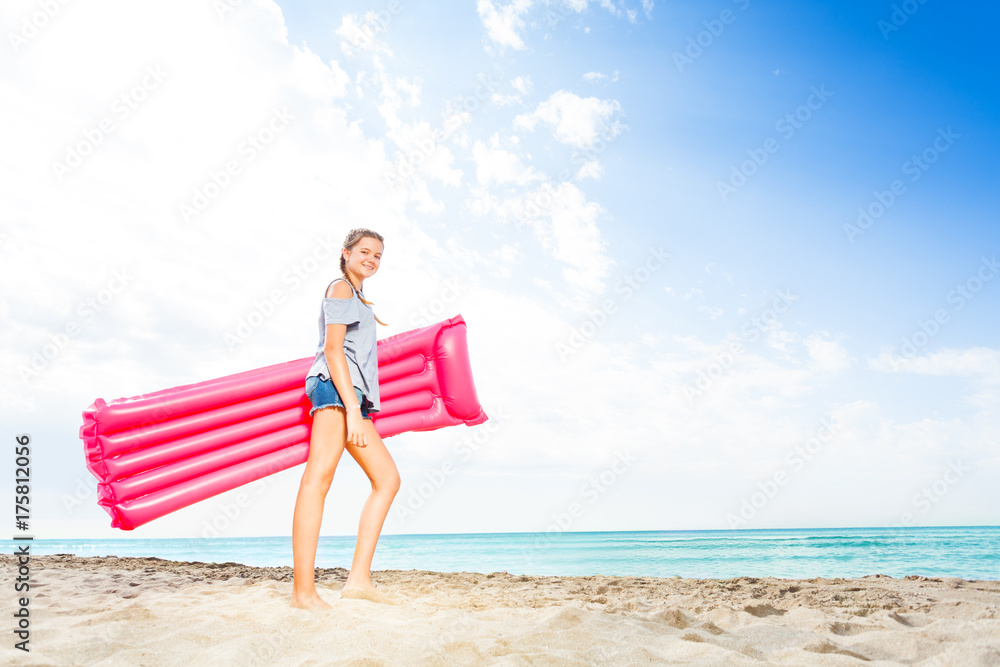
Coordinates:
(323,394)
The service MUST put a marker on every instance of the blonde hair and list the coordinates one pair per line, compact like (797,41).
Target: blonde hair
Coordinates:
(353,237)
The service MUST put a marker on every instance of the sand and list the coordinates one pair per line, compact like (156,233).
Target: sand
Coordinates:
(150,611)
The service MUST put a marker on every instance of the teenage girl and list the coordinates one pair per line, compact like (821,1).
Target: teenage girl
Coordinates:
(346,365)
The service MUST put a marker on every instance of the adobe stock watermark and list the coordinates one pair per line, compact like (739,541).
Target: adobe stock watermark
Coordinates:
(33,24)
(592,491)
(901,13)
(704,39)
(84,490)
(469,446)
(123,106)
(231,510)
(915,167)
(609,132)
(248,150)
(87,484)
(796,459)
(435,309)
(87,310)
(926,329)
(294,276)
(456,630)
(787,125)
(374,23)
(276,647)
(224,7)
(627,286)
(722,362)
(410,161)
(925,499)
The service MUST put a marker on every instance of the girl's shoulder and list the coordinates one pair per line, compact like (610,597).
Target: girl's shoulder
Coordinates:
(334,281)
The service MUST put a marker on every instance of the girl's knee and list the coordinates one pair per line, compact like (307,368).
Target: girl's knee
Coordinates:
(317,483)
(390,483)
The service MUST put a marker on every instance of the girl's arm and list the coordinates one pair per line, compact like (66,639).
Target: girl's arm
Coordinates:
(333,350)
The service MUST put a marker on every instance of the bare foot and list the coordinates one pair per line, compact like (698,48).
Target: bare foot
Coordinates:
(367,593)
(311,602)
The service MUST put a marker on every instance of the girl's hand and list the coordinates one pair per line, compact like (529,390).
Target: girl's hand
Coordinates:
(356,429)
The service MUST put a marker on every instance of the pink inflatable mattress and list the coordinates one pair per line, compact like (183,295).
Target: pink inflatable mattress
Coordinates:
(157,453)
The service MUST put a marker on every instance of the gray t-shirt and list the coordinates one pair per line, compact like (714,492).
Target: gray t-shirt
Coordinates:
(360,344)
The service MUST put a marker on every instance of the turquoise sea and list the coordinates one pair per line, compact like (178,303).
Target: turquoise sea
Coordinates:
(968,552)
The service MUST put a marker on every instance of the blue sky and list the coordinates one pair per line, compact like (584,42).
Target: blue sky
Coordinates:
(689,125)
(672,134)
(687,128)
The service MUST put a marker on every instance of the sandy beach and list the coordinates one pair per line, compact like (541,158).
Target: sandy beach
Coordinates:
(150,611)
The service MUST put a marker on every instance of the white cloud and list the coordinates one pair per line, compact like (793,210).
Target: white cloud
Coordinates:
(610,6)
(522,85)
(495,165)
(712,312)
(507,256)
(828,355)
(778,338)
(564,222)
(575,121)
(503,23)
(577,238)
(359,35)
(982,363)
(423,199)
(421,151)
(316,79)
(599,76)
(510,253)
(589,169)
(390,89)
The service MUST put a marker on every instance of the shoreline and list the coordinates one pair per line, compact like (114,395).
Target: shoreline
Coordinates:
(148,610)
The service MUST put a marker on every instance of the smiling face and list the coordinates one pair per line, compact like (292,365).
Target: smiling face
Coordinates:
(364,258)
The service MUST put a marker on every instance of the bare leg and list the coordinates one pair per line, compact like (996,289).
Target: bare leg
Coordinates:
(377,463)
(326,445)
